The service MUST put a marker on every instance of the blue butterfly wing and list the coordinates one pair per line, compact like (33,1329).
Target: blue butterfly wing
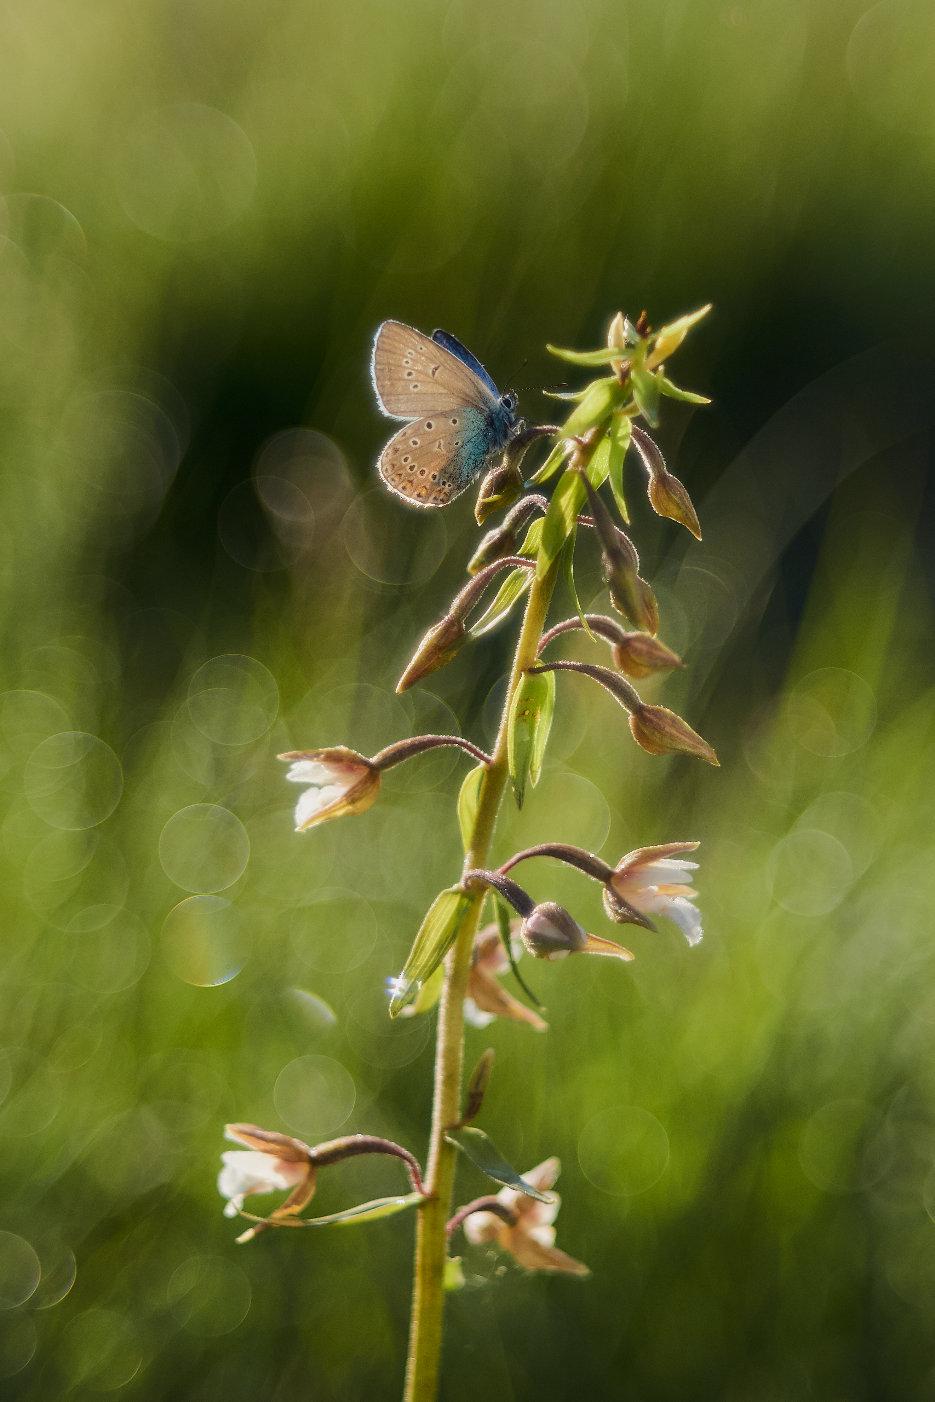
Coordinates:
(431,461)
(452,344)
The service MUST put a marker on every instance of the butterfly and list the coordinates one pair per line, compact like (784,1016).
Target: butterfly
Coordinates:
(458,419)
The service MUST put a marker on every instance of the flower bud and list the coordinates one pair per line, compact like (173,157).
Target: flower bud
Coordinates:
(502,540)
(639,654)
(661,732)
(338,781)
(500,488)
(549,932)
(669,497)
(629,592)
(440,644)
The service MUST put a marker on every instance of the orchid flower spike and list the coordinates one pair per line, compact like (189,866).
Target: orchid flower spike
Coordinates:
(526,1230)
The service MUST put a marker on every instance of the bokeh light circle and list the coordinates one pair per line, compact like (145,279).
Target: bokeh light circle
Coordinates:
(834,710)
(314,1095)
(204,847)
(204,941)
(811,872)
(20,1270)
(102,1350)
(185,172)
(623,1151)
(73,780)
(383,548)
(233,699)
(209,1296)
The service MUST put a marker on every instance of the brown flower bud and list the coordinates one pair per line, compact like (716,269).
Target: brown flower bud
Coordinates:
(631,595)
(439,645)
(502,540)
(661,732)
(639,654)
(549,932)
(500,488)
(669,497)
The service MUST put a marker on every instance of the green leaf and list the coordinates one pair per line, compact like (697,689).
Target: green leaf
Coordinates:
(602,398)
(559,519)
(552,463)
(429,993)
(468,799)
(506,939)
(512,588)
(568,565)
(645,387)
(484,1154)
(437,933)
(604,356)
(364,1212)
(618,436)
(528,732)
(673,391)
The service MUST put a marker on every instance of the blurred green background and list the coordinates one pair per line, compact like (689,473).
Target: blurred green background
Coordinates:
(206,209)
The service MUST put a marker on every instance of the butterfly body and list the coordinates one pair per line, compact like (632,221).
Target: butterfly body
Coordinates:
(457,419)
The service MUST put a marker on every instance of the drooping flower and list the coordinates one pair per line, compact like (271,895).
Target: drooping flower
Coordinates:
(656,881)
(270,1163)
(486,996)
(338,781)
(529,1234)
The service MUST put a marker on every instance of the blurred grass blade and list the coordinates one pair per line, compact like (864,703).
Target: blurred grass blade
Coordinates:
(484,1154)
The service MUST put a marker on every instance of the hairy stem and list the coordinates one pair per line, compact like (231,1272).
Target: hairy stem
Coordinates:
(425,1336)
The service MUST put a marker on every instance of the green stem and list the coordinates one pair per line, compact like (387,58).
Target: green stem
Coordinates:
(428,1293)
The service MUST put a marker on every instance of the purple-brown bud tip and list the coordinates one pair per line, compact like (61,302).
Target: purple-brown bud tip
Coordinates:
(668,497)
(640,654)
(661,732)
(440,644)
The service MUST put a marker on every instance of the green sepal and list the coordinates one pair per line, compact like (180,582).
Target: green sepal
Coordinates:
(602,398)
(605,355)
(673,391)
(618,438)
(529,724)
(437,933)
(645,386)
(484,1154)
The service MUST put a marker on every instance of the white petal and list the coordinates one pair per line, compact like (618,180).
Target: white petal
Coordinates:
(481,1227)
(542,1232)
(248,1171)
(308,771)
(476,1016)
(314,801)
(686,916)
(664,872)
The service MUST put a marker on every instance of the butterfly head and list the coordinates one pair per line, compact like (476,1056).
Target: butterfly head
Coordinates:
(509,401)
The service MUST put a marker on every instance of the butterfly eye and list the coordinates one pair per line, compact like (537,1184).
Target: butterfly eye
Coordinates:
(509,401)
